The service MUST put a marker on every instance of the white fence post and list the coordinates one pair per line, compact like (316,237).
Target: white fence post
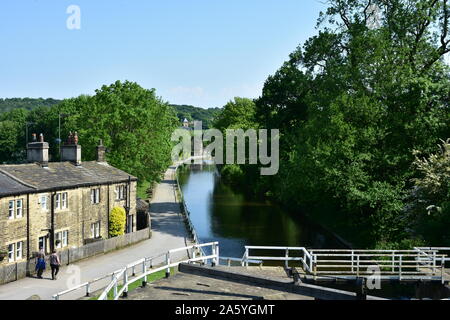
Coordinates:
(144,269)
(246,256)
(88,289)
(286,262)
(168,264)
(125,283)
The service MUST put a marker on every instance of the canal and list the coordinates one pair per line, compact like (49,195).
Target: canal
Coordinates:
(221,214)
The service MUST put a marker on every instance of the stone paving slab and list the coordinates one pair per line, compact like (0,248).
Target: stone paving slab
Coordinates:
(184,286)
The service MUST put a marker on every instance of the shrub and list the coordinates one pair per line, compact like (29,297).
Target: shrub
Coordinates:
(117,221)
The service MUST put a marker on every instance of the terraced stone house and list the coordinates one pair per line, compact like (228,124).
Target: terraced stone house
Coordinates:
(60,204)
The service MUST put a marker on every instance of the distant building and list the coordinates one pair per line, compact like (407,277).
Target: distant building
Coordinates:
(60,204)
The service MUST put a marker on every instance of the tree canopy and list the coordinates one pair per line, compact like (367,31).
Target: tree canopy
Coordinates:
(352,103)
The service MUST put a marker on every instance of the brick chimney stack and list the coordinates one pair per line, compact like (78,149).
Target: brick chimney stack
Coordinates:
(71,150)
(37,151)
(101,149)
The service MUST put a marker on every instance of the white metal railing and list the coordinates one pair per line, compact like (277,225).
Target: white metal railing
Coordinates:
(436,250)
(89,285)
(425,263)
(127,281)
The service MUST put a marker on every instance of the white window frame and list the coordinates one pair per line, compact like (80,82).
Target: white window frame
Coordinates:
(65,238)
(57,201)
(120,192)
(58,237)
(11,210)
(11,252)
(95,230)
(19,208)
(43,200)
(44,243)
(95,196)
(19,250)
(64,200)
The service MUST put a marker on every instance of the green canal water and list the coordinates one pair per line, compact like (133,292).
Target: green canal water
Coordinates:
(221,214)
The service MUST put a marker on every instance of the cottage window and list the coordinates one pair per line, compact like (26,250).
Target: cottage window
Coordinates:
(11,209)
(120,192)
(19,246)
(64,201)
(95,195)
(11,252)
(58,240)
(58,201)
(65,238)
(19,208)
(43,202)
(43,243)
(95,230)
(62,239)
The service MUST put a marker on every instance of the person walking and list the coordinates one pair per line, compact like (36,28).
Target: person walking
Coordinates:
(54,264)
(40,263)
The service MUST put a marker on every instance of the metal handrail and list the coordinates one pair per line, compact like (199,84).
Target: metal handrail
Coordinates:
(89,284)
(403,263)
(124,272)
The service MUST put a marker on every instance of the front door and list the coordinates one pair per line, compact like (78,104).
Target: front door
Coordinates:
(43,243)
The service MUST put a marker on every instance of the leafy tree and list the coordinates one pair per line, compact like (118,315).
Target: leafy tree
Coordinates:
(351,104)
(134,125)
(429,205)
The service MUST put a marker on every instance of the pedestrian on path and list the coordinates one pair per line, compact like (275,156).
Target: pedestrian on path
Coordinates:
(40,263)
(54,264)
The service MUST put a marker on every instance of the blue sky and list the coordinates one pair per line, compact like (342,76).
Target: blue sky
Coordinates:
(199,52)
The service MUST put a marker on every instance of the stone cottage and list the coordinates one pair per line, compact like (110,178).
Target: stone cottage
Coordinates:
(60,204)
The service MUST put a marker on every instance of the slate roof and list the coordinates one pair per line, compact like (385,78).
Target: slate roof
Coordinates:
(32,177)
(10,186)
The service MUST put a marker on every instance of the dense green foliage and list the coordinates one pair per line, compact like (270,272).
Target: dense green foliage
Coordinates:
(133,123)
(26,103)
(194,113)
(352,104)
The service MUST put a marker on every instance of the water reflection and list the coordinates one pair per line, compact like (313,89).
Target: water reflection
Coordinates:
(222,214)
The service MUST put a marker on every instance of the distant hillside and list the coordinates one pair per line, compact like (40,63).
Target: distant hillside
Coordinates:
(182,111)
(195,113)
(26,103)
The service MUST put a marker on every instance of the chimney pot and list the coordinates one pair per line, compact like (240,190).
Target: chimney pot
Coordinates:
(71,151)
(37,151)
(101,149)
